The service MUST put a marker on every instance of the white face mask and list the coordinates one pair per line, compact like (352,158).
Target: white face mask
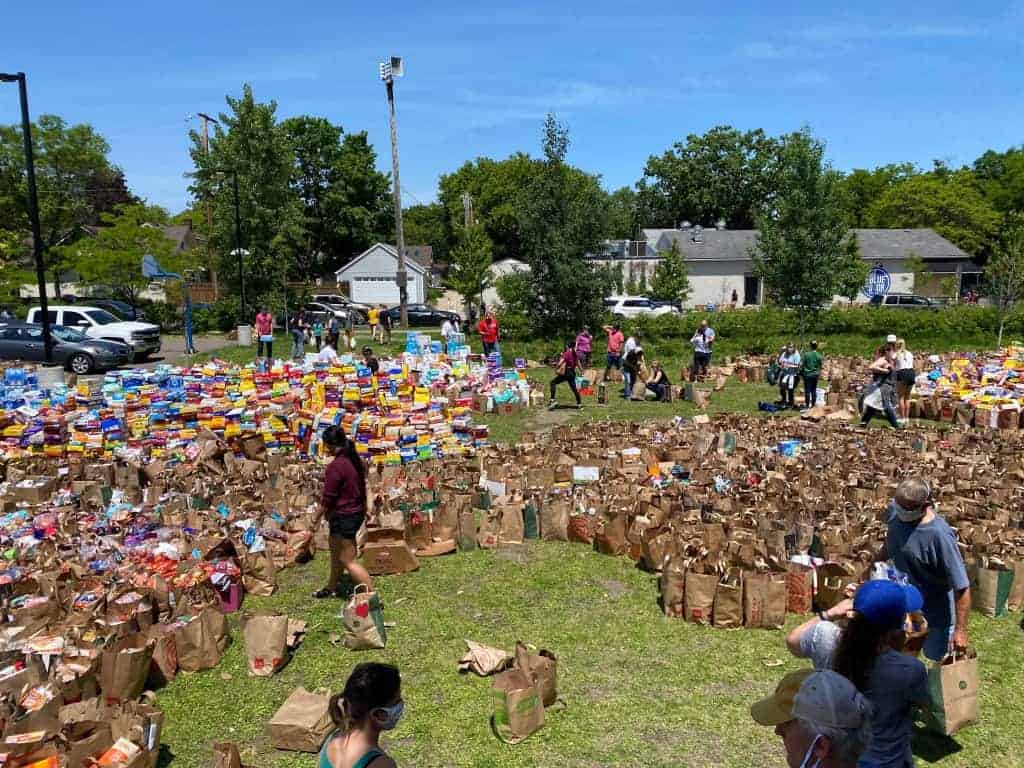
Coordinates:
(394,714)
(809,754)
(908,515)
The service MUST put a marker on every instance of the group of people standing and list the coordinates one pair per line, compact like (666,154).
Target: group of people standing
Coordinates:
(892,383)
(792,368)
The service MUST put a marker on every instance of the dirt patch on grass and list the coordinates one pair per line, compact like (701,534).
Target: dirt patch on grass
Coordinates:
(614,588)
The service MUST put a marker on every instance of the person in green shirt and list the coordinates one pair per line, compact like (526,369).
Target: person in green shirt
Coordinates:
(318,333)
(811,370)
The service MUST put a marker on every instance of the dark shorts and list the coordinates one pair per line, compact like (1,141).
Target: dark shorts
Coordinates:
(613,361)
(906,377)
(345,526)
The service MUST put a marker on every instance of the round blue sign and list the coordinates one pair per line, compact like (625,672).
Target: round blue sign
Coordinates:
(878,283)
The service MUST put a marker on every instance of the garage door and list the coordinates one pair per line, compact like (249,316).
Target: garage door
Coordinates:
(381,290)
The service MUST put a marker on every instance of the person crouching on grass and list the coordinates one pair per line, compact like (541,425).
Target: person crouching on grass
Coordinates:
(343,504)
(371,702)
(568,363)
(658,383)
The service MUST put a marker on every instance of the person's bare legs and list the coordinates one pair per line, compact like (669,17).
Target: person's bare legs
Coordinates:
(347,555)
(336,544)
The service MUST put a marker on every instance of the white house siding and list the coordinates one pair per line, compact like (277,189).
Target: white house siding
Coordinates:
(371,278)
(498,270)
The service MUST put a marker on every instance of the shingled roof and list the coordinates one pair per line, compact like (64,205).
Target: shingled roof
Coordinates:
(736,244)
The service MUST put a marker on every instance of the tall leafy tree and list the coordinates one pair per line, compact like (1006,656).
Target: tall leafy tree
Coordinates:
(75,179)
(1004,275)
(671,281)
(252,143)
(469,270)
(950,202)
(723,173)
(864,187)
(804,245)
(1001,178)
(622,214)
(427,225)
(561,220)
(113,257)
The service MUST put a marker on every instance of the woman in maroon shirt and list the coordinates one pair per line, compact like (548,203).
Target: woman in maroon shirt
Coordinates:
(343,504)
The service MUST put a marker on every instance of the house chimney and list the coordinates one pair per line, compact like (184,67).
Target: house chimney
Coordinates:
(720,224)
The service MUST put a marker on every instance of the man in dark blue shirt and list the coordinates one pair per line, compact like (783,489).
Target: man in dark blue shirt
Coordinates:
(923,546)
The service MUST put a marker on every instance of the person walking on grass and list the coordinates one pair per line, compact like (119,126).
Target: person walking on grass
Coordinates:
(868,649)
(702,341)
(318,333)
(789,364)
(613,358)
(350,330)
(584,344)
(265,333)
(343,505)
(632,363)
(371,703)
(386,325)
(568,364)
(488,330)
(905,377)
(298,331)
(447,330)
(373,318)
(878,399)
(810,370)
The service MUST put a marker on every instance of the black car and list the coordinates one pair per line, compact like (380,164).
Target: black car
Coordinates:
(421,315)
(903,301)
(122,310)
(74,350)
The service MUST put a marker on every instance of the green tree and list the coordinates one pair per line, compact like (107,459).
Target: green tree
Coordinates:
(75,179)
(864,187)
(949,202)
(1004,275)
(560,222)
(425,225)
(804,245)
(252,143)
(724,173)
(671,280)
(469,271)
(113,258)
(1001,176)
(622,214)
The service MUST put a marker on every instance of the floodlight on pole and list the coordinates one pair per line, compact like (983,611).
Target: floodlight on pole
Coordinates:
(389,70)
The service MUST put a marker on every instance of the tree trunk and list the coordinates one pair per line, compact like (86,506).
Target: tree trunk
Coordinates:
(999,341)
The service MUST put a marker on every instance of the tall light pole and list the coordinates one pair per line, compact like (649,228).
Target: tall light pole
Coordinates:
(209,209)
(389,70)
(33,209)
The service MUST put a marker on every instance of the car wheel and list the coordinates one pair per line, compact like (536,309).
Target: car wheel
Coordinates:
(80,364)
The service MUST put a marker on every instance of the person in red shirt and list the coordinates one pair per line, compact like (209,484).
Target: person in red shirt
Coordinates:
(343,504)
(265,332)
(615,341)
(488,330)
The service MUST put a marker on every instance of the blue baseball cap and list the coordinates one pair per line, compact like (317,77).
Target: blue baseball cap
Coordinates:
(886,604)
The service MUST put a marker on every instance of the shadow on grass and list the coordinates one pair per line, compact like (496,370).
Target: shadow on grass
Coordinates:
(931,747)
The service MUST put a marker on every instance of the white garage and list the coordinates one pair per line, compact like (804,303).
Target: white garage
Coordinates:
(371,277)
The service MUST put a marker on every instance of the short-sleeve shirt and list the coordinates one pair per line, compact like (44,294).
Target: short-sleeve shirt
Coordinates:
(615,342)
(373,315)
(791,359)
(896,683)
(928,554)
(812,363)
(702,340)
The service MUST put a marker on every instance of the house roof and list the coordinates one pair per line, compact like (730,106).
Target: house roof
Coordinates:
(411,264)
(421,254)
(735,244)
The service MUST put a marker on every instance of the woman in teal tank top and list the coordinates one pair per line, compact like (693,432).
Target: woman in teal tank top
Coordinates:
(371,703)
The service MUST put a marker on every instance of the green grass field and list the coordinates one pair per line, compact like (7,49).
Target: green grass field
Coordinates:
(639,689)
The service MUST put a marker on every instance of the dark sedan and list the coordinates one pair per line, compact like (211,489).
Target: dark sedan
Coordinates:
(421,315)
(77,352)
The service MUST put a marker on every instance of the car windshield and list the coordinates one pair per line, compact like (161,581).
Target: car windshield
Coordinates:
(68,334)
(102,317)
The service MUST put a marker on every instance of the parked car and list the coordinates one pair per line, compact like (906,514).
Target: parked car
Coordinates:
(118,308)
(421,315)
(626,307)
(71,348)
(318,310)
(96,323)
(336,299)
(903,301)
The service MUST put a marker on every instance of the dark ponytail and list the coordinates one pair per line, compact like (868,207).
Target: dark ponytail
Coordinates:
(857,651)
(369,687)
(335,438)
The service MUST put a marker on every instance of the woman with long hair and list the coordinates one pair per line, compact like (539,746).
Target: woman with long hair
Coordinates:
(905,376)
(343,504)
(371,703)
(868,651)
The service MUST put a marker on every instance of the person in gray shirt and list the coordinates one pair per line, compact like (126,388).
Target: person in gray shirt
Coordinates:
(923,546)
(868,652)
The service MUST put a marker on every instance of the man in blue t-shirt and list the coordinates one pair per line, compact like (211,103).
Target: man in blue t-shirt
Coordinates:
(923,546)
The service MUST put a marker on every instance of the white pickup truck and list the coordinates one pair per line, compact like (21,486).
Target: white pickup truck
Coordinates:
(143,338)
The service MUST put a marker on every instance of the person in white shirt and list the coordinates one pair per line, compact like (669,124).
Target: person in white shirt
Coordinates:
(447,329)
(328,354)
(905,376)
(632,360)
(789,362)
(702,341)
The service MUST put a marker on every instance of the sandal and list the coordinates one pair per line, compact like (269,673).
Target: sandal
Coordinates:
(322,594)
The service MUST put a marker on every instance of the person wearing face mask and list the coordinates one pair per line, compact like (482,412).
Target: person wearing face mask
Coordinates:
(371,703)
(921,545)
(789,362)
(868,651)
(822,719)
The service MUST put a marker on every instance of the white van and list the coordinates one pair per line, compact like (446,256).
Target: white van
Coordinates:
(142,338)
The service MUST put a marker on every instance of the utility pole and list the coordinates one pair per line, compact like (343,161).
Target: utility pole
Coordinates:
(33,210)
(209,209)
(238,245)
(388,71)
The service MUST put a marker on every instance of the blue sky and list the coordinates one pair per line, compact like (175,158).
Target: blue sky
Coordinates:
(879,82)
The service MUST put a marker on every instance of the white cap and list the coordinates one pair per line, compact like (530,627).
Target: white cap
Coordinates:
(891,338)
(827,698)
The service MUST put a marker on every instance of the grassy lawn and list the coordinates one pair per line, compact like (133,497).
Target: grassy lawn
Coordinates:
(639,689)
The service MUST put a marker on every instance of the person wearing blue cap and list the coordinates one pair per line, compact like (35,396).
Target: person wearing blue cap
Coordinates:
(868,651)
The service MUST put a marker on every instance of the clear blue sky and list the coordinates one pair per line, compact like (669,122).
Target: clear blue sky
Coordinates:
(880,82)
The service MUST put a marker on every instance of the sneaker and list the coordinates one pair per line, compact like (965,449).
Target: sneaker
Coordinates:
(552,405)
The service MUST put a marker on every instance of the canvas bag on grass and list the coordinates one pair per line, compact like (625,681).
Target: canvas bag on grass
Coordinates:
(202,641)
(363,618)
(302,723)
(764,600)
(518,709)
(953,689)
(266,643)
(990,590)
(542,667)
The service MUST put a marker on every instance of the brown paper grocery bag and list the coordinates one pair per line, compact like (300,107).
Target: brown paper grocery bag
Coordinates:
(225,755)
(764,600)
(266,643)
(610,538)
(518,709)
(363,618)
(953,689)
(673,587)
(84,740)
(581,529)
(799,588)
(728,610)
(990,589)
(1016,599)
(484,660)
(302,723)
(259,574)
(202,641)
(467,530)
(554,520)
(700,596)
(490,529)
(125,667)
(833,579)
(542,667)
(512,527)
